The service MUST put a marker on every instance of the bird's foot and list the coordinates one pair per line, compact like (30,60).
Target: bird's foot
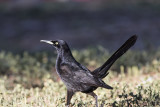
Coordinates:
(67,105)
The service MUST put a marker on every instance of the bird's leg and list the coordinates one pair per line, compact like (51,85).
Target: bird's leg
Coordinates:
(70,93)
(95,96)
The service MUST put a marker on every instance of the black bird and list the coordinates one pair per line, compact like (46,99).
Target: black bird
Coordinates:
(77,77)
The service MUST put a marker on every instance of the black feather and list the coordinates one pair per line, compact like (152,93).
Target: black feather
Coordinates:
(102,71)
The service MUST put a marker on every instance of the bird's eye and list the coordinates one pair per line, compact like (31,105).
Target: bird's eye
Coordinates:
(56,43)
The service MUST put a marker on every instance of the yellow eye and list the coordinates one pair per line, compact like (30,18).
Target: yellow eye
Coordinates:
(56,43)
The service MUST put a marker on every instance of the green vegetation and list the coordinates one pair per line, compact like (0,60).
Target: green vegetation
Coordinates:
(30,79)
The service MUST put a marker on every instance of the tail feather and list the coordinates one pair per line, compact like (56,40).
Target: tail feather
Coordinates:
(103,76)
(104,85)
(102,71)
(107,86)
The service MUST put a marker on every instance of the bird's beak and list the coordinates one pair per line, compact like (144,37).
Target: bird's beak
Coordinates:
(47,41)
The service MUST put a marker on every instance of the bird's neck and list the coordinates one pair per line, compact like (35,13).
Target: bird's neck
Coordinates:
(65,55)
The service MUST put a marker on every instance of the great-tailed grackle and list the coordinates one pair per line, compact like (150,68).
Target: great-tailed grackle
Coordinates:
(77,77)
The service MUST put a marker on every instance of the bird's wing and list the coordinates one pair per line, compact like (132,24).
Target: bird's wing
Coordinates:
(79,75)
(102,71)
(90,80)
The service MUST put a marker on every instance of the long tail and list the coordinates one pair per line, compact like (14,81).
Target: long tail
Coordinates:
(102,71)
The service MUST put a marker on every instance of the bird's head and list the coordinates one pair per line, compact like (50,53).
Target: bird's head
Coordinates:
(60,45)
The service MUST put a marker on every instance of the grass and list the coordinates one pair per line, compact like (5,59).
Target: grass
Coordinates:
(30,80)
(128,91)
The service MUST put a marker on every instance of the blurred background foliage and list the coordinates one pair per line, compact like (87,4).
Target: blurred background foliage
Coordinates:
(81,23)
(31,69)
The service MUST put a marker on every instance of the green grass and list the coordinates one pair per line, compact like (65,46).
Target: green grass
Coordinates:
(30,79)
